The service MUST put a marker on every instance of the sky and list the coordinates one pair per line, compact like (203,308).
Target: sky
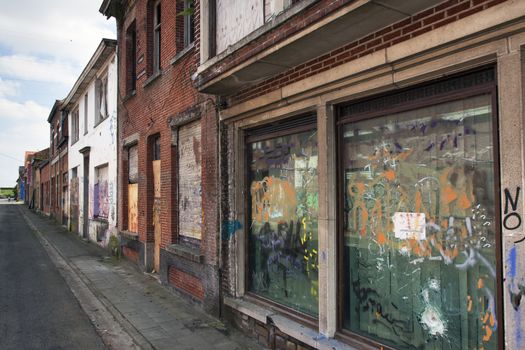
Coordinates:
(44,46)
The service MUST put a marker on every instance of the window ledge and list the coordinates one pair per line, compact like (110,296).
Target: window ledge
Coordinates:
(129,95)
(100,219)
(132,236)
(152,78)
(185,252)
(296,330)
(183,53)
(100,122)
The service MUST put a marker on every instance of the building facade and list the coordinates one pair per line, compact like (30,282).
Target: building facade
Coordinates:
(371,170)
(92,158)
(34,179)
(58,159)
(44,206)
(168,135)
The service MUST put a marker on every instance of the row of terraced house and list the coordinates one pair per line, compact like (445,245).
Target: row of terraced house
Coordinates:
(324,174)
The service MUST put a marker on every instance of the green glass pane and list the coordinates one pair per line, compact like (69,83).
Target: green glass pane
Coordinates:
(419,227)
(283,263)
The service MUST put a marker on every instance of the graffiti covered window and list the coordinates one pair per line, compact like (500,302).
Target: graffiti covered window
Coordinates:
(101,193)
(419,227)
(283,202)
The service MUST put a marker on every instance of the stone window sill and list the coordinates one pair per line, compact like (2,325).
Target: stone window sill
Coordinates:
(152,78)
(286,325)
(132,236)
(100,219)
(129,95)
(191,254)
(183,53)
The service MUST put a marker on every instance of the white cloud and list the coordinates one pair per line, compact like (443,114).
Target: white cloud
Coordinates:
(34,69)
(67,29)
(29,110)
(48,42)
(23,127)
(8,87)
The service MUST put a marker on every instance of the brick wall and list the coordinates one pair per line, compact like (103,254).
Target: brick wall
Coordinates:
(148,111)
(131,254)
(440,15)
(186,282)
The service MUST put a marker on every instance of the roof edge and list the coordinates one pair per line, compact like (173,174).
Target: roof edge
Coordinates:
(104,44)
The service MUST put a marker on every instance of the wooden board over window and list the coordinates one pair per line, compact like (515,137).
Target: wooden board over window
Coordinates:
(133,207)
(190,203)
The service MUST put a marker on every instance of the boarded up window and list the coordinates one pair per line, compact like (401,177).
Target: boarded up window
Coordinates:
(133,190)
(101,193)
(133,178)
(133,165)
(190,204)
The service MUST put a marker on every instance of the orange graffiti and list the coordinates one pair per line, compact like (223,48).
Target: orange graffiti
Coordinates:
(381,238)
(469,303)
(419,201)
(449,195)
(390,175)
(464,202)
(488,334)
(481,283)
(272,198)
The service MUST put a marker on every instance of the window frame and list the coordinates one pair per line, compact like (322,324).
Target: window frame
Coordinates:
(189,23)
(75,126)
(131,58)
(156,37)
(341,120)
(96,198)
(101,83)
(86,111)
(248,138)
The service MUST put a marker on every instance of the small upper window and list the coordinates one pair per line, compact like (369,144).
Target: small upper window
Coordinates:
(156,36)
(131,58)
(189,23)
(101,106)
(85,113)
(75,126)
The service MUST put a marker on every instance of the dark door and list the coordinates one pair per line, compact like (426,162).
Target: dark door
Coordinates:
(85,207)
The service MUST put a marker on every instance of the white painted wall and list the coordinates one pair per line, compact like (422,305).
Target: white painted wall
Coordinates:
(102,139)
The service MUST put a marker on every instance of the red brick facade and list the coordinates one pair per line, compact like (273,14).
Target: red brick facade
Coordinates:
(425,21)
(186,282)
(159,104)
(58,161)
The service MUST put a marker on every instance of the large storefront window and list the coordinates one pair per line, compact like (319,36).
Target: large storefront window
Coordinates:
(283,206)
(419,226)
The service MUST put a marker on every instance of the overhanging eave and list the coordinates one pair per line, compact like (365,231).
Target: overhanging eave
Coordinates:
(344,27)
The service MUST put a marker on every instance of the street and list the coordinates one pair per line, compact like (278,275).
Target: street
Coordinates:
(37,309)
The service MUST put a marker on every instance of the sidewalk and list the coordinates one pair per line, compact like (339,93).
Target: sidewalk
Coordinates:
(154,317)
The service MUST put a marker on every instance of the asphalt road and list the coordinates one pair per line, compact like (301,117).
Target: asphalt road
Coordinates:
(37,309)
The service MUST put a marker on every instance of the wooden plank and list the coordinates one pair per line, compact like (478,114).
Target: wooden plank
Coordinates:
(156,178)
(133,207)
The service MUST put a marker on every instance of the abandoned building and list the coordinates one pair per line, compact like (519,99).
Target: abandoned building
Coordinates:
(168,142)
(58,160)
(92,113)
(371,168)
(325,174)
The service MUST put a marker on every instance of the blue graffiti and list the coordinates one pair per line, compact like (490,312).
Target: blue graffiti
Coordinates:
(229,228)
(512,262)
